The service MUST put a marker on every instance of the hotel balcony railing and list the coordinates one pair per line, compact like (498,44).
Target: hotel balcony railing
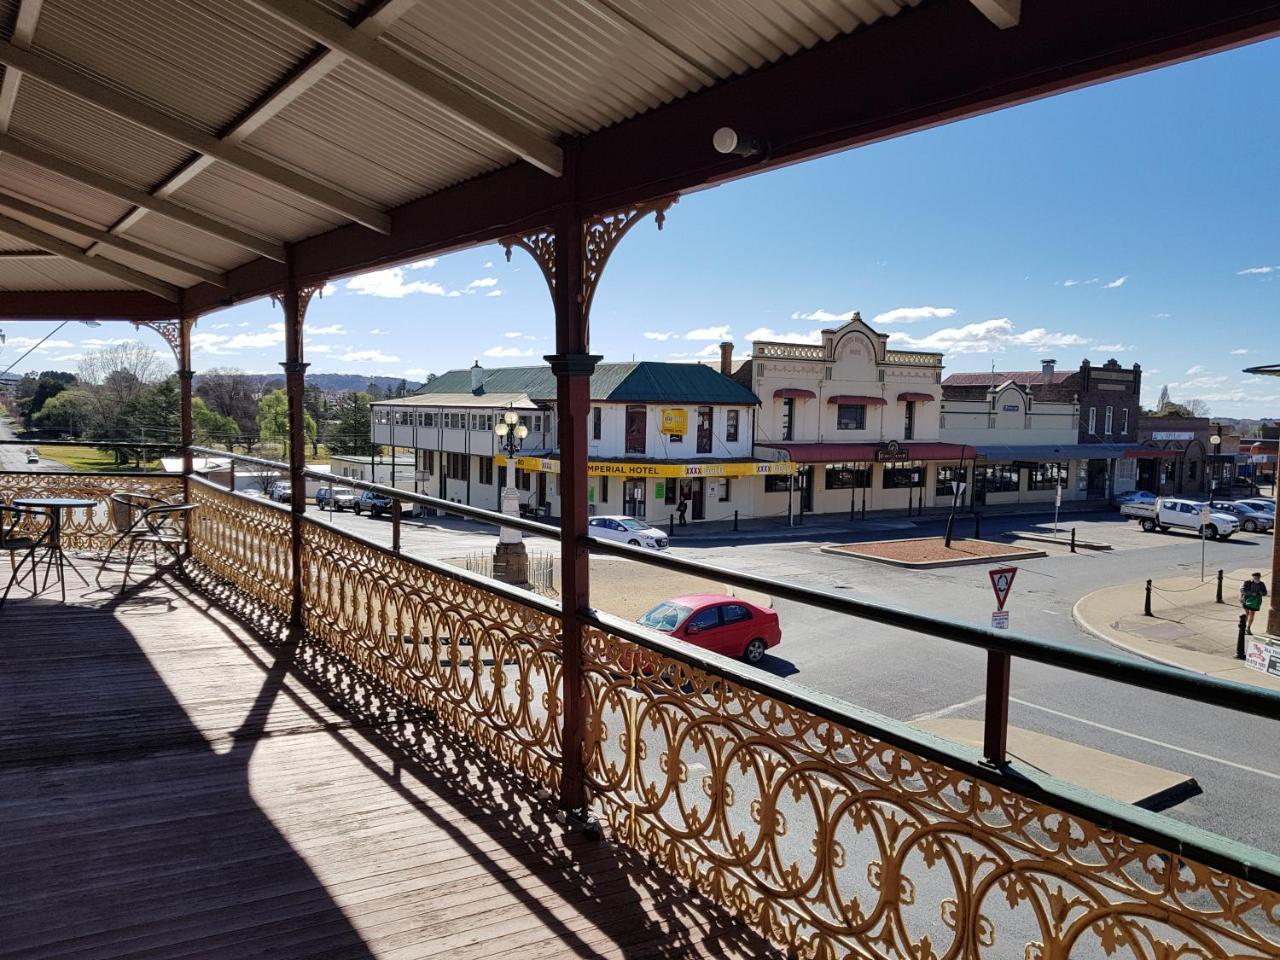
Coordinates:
(832,830)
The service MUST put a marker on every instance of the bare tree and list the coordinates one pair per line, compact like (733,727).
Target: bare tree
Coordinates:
(1197,407)
(233,393)
(137,360)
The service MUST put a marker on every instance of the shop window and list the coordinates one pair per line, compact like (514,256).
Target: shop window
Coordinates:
(486,469)
(1047,476)
(851,416)
(604,486)
(777,483)
(704,430)
(897,478)
(636,428)
(724,490)
(596,427)
(846,476)
(788,418)
(946,479)
(998,478)
(669,492)
(731,426)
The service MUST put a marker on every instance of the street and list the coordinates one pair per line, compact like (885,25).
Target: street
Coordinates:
(1235,760)
(14,457)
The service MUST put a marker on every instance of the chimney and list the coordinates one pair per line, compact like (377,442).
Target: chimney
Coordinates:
(726,357)
(1046,366)
(477,378)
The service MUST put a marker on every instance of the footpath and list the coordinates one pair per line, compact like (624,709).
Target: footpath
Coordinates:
(1187,628)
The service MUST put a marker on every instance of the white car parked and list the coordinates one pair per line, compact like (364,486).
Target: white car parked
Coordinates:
(1168,513)
(628,530)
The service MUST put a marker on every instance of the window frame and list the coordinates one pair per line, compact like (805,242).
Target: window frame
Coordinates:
(731,425)
(859,418)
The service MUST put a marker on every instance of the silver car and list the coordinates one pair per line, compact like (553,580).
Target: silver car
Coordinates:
(1252,520)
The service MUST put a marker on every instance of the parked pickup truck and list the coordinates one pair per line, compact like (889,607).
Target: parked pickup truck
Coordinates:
(335,498)
(1167,513)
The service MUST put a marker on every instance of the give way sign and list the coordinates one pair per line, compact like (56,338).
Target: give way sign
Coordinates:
(1002,583)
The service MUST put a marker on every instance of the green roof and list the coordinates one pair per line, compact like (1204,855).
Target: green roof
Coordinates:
(641,382)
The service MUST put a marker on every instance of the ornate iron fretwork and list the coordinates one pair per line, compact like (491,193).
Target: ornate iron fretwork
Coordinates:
(541,245)
(304,301)
(84,528)
(601,235)
(170,330)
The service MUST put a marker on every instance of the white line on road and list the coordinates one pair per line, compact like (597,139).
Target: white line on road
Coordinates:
(1158,743)
(946,710)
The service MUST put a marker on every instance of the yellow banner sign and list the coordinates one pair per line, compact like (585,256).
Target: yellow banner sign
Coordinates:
(618,468)
(675,420)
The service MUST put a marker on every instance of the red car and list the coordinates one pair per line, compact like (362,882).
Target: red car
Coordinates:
(718,623)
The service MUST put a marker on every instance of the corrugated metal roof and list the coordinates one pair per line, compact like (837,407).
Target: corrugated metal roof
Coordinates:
(1025,377)
(53,192)
(642,382)
(54,273)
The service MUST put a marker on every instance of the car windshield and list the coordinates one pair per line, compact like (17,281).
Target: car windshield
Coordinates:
(634,524)
(343,492)
(666,616)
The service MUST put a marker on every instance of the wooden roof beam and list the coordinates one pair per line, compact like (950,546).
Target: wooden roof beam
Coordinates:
(69,251)
(1003,13)
(419,80)
(24,28)
(98,94)
(49,218)
(139,198)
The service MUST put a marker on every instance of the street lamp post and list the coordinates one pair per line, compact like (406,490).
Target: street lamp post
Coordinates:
(1215,442)
(510,561)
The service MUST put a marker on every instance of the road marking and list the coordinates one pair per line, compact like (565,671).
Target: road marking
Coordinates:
(946,710)
(1158,743)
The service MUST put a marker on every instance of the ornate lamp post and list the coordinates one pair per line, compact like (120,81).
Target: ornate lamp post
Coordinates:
(510,561)
(1216,443)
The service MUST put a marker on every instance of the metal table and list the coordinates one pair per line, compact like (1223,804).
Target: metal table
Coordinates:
(52,537)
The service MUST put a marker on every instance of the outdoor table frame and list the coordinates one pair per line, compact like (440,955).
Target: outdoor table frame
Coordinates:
(51,539)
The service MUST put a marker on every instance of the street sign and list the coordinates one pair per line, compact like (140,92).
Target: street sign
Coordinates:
(1263,657)
(1001,583)
(1204,515)
(999,619)
(1057,497)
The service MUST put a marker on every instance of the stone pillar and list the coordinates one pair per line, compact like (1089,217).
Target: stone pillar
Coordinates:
(510,560)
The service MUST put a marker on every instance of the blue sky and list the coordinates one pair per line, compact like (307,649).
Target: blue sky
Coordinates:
(1135,219)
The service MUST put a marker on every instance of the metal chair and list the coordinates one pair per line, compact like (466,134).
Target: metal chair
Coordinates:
(143,520)
(19,534)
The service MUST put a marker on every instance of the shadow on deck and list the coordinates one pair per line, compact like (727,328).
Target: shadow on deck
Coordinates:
(177,784)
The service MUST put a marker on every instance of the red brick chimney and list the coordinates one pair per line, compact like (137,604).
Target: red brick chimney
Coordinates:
(726,357)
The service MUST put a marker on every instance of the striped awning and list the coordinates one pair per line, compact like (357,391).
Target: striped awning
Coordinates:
(850,398)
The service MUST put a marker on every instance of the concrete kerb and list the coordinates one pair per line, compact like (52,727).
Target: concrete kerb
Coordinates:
(1093,614)
(1016,553)
(1062,541)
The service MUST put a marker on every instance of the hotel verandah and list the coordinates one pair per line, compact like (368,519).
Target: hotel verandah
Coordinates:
(313,746)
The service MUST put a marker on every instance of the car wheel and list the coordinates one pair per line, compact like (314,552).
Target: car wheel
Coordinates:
(1149,525)
(1250,526)
(1210,531)
(356,509)
(755,651)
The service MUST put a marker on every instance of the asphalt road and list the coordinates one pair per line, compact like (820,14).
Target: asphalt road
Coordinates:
(1234,758)
(14,457)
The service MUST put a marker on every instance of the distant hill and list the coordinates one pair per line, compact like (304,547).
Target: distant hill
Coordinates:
(1244,426)
(330,382)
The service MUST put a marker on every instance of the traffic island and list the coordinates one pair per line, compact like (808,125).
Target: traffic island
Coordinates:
(924,553)
(1187,627)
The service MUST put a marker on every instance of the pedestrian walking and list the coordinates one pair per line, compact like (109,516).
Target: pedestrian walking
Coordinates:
(681,508)
(1251,593)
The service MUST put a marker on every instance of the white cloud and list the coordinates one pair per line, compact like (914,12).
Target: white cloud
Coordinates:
(1117,282)
(368,356)
(709,333)
(658,335)
(823,316)
(333,329)
(1116,347)
(1161,316)
(912,314)
(220,326)
(23,342)
(68,358)
(487,264)
(424,264)
(507,352)
(1240,352)
(482,283)
(517,335)
(1076,283)
(328,290)
(1250,271)
(989,336)
(1192,371)
(494,293)
(96,342)
(377,332)
(321,348)
(392,283)
(765,333)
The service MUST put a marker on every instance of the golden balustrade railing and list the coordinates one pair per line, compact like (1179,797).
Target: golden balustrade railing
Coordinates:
(84,528)
(833,832)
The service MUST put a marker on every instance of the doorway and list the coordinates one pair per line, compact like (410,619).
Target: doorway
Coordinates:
(633,496)
(691,491)
(804,484)
(1097,479)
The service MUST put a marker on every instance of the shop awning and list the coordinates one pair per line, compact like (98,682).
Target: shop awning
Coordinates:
(864,401)
(654,468)
(793,393)
(916,397)
(1043,452)
(871,452)
(1153,453)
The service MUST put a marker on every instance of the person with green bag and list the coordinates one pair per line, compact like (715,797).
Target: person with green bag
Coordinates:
(1251,593)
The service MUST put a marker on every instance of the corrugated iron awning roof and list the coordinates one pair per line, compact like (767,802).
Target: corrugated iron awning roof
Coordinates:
(869,452)
(851,399)
(793,393)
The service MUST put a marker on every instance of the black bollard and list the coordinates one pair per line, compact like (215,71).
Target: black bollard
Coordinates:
(735,521)
(1244,620)
(1146,604)
(671,525)
(977,526)
(1220,586)
(1073,539)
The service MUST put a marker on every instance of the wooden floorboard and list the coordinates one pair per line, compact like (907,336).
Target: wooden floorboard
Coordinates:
(176,786)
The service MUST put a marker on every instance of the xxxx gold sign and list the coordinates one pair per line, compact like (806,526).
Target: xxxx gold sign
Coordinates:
(619,468)
(675,420)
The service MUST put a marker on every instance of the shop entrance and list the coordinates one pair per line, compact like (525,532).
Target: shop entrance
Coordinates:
(1097,480)
(691,491)
(633,496)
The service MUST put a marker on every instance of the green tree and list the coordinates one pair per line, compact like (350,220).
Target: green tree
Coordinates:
(210,427)
(351,434)
(273,419)
(68,411)
(37,391)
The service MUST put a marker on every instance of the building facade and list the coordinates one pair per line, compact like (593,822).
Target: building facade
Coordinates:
(659,434)
(859,421)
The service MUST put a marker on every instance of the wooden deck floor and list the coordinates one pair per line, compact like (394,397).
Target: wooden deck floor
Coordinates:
(175,786)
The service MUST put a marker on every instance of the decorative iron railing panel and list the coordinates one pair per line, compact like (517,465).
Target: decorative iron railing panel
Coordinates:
(243,541)
(835,843)
(487,665)
(84,528)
